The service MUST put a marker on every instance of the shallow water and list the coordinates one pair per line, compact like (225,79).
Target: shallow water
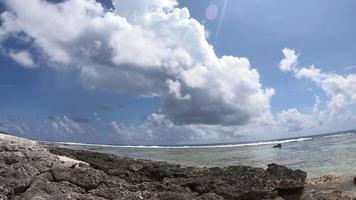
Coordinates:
(322,155)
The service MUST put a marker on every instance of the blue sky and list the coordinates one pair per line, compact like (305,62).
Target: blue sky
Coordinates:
(47,96)
(322,31)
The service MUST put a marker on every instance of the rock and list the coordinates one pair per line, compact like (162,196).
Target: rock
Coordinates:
(30,170)
(326,195)
(279,198)
(285,180)
(355,180)
(324,179)
(3,132)
(86,178)
(329,188)
(211,196)
(235,182)
(278,145)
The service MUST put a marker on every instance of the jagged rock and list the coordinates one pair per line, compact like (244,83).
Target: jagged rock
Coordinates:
(29,170)
(85,177)
(277,146)
(211,196)
(236,182)
(285,180)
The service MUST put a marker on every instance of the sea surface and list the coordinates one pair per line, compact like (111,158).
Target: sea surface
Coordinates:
(332,154)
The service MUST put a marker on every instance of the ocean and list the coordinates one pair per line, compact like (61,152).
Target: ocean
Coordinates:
(332,154)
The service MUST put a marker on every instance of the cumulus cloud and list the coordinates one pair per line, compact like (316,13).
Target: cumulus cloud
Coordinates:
(290,60)
(23,57)
(67,125)
(296,121)
(175,88)
(311,73)
(340,89)
(144,48)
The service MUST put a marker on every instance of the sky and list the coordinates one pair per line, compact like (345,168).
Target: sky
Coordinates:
(176,72)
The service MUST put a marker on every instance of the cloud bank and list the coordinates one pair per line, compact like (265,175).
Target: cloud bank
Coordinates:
(143,48)
(156,130)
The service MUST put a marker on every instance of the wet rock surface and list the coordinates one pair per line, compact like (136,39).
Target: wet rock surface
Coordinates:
(29,170)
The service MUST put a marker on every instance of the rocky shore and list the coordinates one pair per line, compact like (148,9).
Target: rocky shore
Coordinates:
(30,170)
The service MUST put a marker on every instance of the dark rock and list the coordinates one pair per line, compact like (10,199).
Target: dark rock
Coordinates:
(3,132)
(285,180)
(29,170)
(278,145)
(87,178)
(355,180)
(211,196)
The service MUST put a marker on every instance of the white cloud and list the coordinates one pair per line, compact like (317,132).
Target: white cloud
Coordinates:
(316,106)
(135,12)
(59,128)
(120,131)
(290,60)
(23,57)
(296,121)
(336,104)
(350,67)
(66,125)
(340,89)
(156,129)
(175,89)
(145,48)
(310,73)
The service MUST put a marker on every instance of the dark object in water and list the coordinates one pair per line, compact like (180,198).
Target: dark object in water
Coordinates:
(2,132)
(278,145)
(355,180)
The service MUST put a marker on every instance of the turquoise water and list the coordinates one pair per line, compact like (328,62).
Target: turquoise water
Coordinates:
(322,155)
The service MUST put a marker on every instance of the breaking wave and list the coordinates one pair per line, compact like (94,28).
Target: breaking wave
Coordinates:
(193,146)
(338,135)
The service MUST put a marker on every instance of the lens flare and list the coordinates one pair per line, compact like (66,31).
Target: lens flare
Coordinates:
(220,20)
(211,12)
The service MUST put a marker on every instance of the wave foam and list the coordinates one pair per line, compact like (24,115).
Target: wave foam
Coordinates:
(193,146)
(339,135)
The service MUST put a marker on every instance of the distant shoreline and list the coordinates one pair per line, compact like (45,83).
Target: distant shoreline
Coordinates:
(216,145)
